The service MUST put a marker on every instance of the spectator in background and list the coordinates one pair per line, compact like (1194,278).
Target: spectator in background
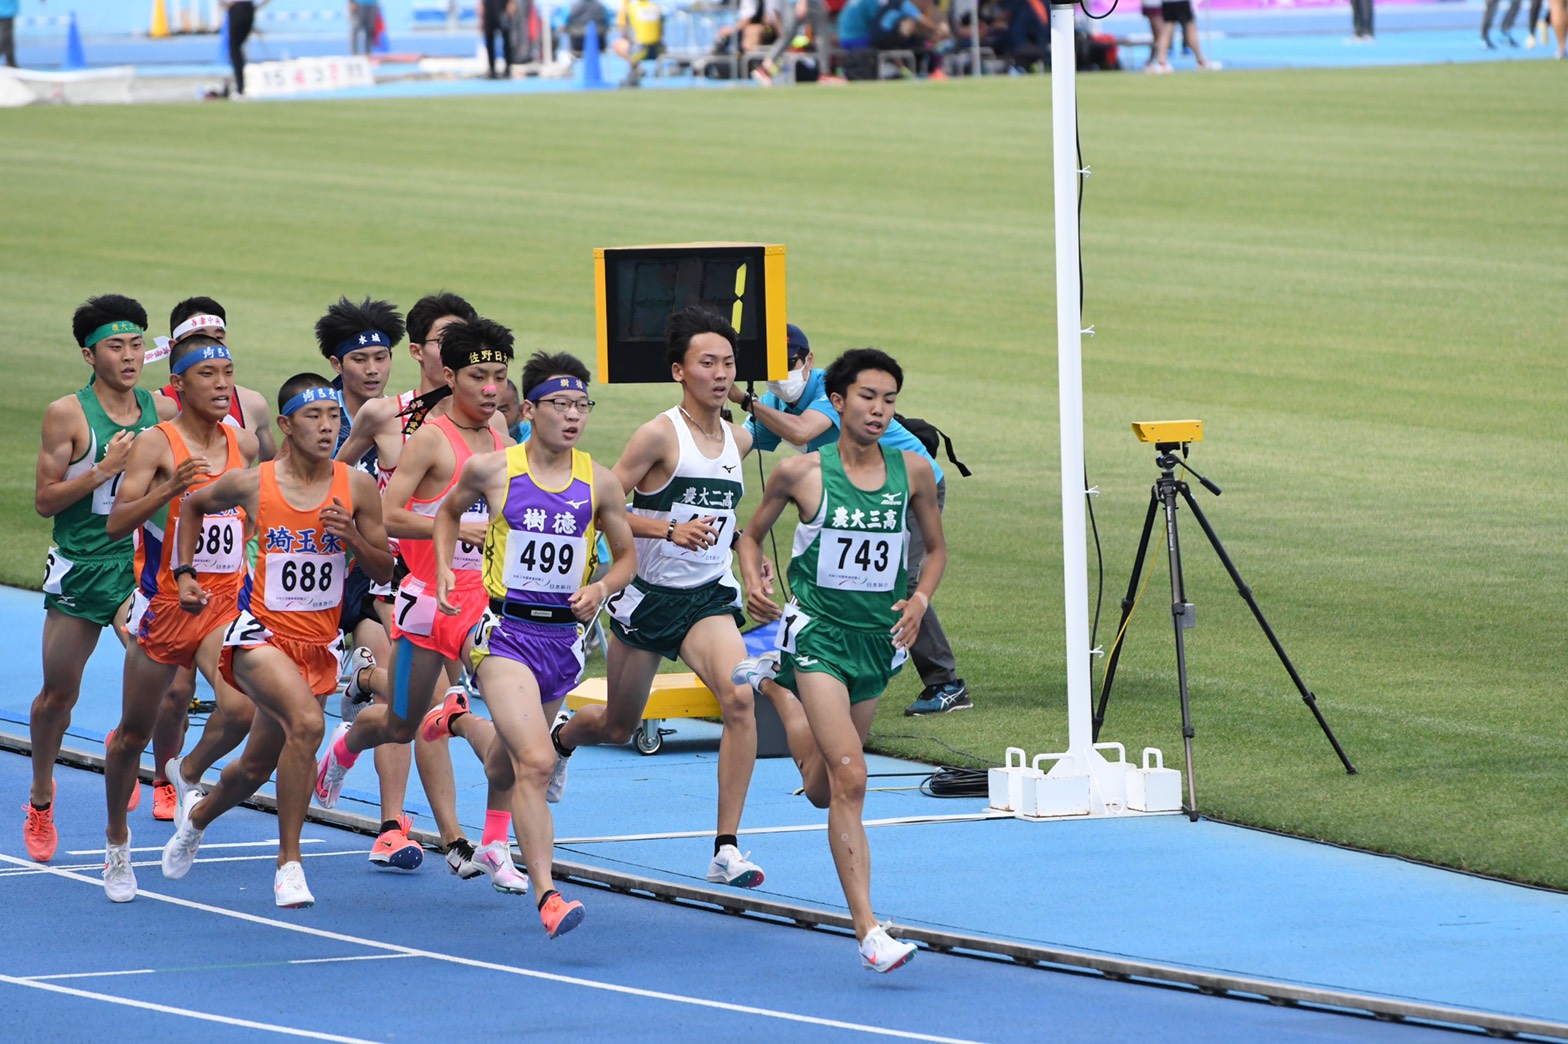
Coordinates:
(1154,11)
(583,13)
(242,16)
(641,39)
(1179,12)
(8,9)
(894,25)
(509,407)
(362,16)
(814,11)
(1361,16)
(1560,26)
(495,19)
(1490,12)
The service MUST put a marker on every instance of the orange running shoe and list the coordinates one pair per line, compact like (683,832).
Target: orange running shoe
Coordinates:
(438,723)
(560,916)
(395,848)
(136,789)
(163,798)
(38,831)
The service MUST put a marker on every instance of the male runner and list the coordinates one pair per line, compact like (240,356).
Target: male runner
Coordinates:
(546,500)
(312,513)
(427,644)
(167,462)
(683,471)
(384,426)
(82,455)
(848,629)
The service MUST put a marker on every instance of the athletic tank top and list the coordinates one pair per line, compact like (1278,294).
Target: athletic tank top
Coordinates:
(220,550)
(234,418)
(849,560)
(700,488)
(79,530)
(420,555)
(296,587)
(540,546)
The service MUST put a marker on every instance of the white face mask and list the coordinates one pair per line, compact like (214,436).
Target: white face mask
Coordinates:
(791,387)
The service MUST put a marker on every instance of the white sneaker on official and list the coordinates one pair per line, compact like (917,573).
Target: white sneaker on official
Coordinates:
(185,794)
(119,879)
(557,786)
(289,889)
(495,859)
(731,868)
(754,670)
(180,852)
(880,952)
(330,772)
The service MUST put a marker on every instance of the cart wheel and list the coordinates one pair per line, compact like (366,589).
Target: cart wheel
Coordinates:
(648,737)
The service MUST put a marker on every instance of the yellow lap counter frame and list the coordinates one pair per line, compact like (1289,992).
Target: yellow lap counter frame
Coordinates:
(672,696)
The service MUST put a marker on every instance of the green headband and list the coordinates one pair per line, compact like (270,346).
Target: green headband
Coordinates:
(119,326)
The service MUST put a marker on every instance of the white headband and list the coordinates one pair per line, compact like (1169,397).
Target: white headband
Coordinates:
(160,350)
(195,323)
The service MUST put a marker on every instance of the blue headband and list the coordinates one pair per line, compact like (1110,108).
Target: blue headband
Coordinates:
(199,355)
(367,339)
(555,384)
(310,395)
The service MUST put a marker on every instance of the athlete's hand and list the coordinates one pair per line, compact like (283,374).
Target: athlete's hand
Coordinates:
(116,453)
(760,605)
(192,598)
(697,534)
(337,518)
(445,581)
(767,572)
(911,611)
(473,533)
(190,469)
(587,601)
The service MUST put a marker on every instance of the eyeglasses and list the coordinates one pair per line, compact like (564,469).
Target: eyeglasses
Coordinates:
(568,405)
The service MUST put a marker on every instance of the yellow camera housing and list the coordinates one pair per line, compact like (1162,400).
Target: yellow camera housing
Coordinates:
(1181,431)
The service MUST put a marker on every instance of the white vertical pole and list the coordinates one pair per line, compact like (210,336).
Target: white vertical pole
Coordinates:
(1069,368)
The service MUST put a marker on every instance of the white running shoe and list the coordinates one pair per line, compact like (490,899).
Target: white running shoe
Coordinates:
(495,859)
(355,698)
(289,889)
(460,860)
(185,794)
(119,879)
(754,670)
(330,772)
(557,787)
(180,852)
(880,952)
(731,868)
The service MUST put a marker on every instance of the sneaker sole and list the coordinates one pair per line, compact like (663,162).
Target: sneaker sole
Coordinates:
(892,967)
(749,879)
(302,905)
(571,920)
(408,858)
(910,712)
(509,889)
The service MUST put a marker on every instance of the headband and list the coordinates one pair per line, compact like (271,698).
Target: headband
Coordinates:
(555,384)
(199,355)
(477,356)
(195,324)
(161,346)
(365,339)
(310,395)
(119,326)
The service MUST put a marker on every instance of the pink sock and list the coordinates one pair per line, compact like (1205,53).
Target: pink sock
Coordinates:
(345,757)
(497,826)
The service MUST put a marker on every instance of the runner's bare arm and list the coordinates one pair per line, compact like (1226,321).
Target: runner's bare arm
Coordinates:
(65,436)
(776,495)
(610,518)
(151,481)
(258,420)
(371,417)
(418,455)
(922,501)
(651,455)
(361,528)
(483,475)
(238,488)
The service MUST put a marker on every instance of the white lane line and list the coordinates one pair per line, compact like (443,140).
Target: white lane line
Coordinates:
(529,973)
(963,817)
(215,967)
(269,843)
(36,868)
(184,1012)
(87,975)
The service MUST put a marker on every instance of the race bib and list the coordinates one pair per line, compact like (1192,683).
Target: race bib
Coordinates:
(246,630)
(542,562)
(220,546)
(103,496)
(415,611)
(723,526)
(56,566)
(471,556)
(301,583)
(793,622)
(852,560)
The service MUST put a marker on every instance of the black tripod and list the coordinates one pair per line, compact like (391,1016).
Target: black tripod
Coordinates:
(1165,490)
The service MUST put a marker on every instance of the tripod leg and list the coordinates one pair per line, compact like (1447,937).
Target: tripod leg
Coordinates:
(1307,696)
(1181,619)
(1127,604)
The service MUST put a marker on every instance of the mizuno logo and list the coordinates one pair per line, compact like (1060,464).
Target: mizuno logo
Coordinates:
(727,467)
(892,498)
(575,504)
(806,661)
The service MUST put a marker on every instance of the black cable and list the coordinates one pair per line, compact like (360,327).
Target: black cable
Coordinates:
(1084,7)
(949,782)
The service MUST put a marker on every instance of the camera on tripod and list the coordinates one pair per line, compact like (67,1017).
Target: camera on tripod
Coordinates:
(1167,435)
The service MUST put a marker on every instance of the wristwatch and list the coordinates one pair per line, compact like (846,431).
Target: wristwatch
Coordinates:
(180,570)
(747,402)
(669,534)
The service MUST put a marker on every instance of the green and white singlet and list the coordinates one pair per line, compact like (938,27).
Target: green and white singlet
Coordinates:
(699,488)
(80,530)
